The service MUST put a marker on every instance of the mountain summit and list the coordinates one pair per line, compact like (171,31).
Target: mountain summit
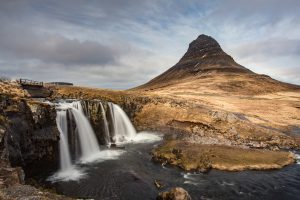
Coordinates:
(204,56)
(205,66)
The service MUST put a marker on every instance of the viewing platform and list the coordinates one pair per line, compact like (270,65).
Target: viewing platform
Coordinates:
(27,82)
(36,89)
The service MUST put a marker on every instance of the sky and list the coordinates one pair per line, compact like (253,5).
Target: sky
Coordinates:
(121,44)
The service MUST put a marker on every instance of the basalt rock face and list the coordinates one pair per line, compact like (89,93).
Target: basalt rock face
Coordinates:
(204,55)
(93,110)
(28,144)
(29,131)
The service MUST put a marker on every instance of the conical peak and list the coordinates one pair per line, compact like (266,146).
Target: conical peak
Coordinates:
(205,40)
(203,56)
(203,46)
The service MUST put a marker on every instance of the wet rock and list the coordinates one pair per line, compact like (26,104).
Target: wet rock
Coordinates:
(97,117)
(158,184)
(30,132)
(176,193)
(28,135)
(113,145)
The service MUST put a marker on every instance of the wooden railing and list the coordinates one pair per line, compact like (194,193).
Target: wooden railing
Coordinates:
(30,82)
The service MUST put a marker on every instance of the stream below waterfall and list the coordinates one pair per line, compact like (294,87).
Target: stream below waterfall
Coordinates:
(131,175)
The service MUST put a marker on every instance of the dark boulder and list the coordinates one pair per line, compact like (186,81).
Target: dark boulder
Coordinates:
(176,193)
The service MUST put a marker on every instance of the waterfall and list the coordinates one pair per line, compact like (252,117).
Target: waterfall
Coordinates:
(106,130)
(77,105)
(123,128)
(87,138)
(74,127)
(65,160)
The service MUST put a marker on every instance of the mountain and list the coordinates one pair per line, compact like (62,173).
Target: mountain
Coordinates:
(205,60)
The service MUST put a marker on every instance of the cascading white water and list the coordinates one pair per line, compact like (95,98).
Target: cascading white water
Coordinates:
(88,141)
(77,105)
(123,128)
(106,130)
(67,171)
(89,147)
(65,160)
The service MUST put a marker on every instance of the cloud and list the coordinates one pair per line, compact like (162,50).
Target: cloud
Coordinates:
(120,44)
(55,48)
(279,47)
(256,12)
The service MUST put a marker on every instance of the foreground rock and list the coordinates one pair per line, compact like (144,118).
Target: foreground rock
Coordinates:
(174,194)
(28,135)
(28,131)
(18,192)
(12,185)
(202,157)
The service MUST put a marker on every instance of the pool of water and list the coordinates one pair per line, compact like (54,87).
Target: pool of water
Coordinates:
(132,174)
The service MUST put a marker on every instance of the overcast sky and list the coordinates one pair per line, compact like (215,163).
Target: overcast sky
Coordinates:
(123,43)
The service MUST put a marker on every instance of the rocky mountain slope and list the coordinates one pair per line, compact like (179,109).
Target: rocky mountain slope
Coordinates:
(206,65)
(203,56)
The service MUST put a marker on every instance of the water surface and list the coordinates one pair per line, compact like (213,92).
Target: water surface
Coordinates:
(131,176)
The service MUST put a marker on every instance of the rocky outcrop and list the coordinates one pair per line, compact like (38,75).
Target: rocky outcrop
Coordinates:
(28,139)
(29,131)
(210,127)
(176,193)
(95,114)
